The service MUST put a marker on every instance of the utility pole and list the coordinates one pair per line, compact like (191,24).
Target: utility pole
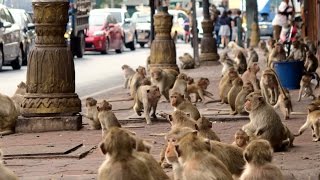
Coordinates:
(195,34)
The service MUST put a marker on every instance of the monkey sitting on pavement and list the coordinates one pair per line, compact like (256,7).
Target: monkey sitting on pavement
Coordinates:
(8,115)
(277,54)
(226,62)
(106,117)
(199,89)
(92,113)
(17,98)
(306,87)
(225,84)
(136,79)
(258,156)
(241,139)
(240,62)
(284,102)
(233,93)
(187,61)
(253,56)
(298,52)
(180,86)
(241,98)
(311,64)
(147,98)
(128,73)
(179,103)
(251,75)
(204,127)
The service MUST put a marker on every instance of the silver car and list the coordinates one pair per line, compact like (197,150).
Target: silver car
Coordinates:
(143,27)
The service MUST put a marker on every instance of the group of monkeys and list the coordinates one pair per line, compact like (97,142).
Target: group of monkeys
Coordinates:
(192,148)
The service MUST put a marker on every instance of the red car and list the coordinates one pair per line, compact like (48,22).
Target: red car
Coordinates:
(103,33)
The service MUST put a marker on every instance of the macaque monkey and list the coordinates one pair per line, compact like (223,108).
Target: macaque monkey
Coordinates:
(241,139)
(171,157)
(310,45)
(277,54)
(204,127)
(180,85)
(179,103)
(313,121)
(199,89)
(251,76)
(136,79)
(233,93)
(226,84)
(187,61)
(253,56)
(235,47)
(240,62)
(271,44)
(311,64)
(264,123)
(164,79)
(128,73)
(270,86)
(180,119)
(241,98)
(6,173)
(284,102)
(190,80)
(17,98)
(92,113)
(289,135)
(196,160)
(306,87)
(118,147)
(263,47)
(258,155)
(298,52)
(147,98)
(8,115)
(226,62)
(106,117)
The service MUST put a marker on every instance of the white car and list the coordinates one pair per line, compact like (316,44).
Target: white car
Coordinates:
(143,27)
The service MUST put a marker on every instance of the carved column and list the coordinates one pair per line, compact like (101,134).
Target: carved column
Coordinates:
(163,48)
(51,102)
(208,43)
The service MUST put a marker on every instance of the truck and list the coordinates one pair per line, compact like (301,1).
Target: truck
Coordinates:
(77,25)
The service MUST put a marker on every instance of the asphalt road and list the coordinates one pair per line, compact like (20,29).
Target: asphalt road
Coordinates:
(95,73)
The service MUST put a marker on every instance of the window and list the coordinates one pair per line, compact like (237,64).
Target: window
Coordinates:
(8,16)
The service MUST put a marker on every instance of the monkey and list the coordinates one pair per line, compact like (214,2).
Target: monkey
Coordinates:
(8,115)
(234,91)
(311,64)
(187,61)
(136,79)
(241,139)
(204,127)
(180,119)
(226,84)
(310,45)
(17,97)
(241,97)
(251,75)
(253,56)
(196,160)
(306,87)
(235,47)
(118,147)
(106,117)
(190,80)
(226,62)
(289,135)
(277,54)
(171,157)
(271,44)
(263,47)
(264,123)
(298,52)
(154,168)
(270,86)
(179,103)
(258,156)
(128,73)
(240,62)
(92,113)
(199,89)
(313,120)
(164,79)
(180,85)
(284,102)
(6,173)
(147,98)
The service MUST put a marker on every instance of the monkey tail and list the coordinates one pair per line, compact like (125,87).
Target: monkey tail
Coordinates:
(316,76)
(304,127)
(280,85)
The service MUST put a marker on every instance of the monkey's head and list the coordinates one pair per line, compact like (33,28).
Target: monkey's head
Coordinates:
(279,47)
(190,80)
(296,44)
(171,154)
(258,152)
(176,133)
(91,102)
(176,99)
(241,138)
(104,106)
(254,67)
(310,55)
(177,116)
(156,73)
(182,76)
(203,123)
(123,67)
(22,85)
(253,101)
(306,80)
(21,88)
(313,107)
(153,93)
(237,82)
(142,71)
(203,83)
(232,74)
(145,81)
(117,142)
(262,44)
(248,87)
(271,42)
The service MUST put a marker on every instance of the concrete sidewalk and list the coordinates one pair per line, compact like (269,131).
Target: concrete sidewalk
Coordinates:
(301,162)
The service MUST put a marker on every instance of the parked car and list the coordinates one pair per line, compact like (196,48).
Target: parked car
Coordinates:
(179,17)
(129,28)
(28,35)
(143,27)
(104,32)
(10,40)
(265,25)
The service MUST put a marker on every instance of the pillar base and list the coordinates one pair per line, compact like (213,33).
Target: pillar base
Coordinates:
(209,59)
(165,66)
(46,124)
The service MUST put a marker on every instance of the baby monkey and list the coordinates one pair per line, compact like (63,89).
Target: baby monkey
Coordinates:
(241,139)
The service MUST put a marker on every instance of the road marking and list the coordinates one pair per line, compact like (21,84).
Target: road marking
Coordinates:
(100,92)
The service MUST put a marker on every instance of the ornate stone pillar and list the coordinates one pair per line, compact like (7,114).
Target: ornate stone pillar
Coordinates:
(208,43)
(51,103)
(163,48)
